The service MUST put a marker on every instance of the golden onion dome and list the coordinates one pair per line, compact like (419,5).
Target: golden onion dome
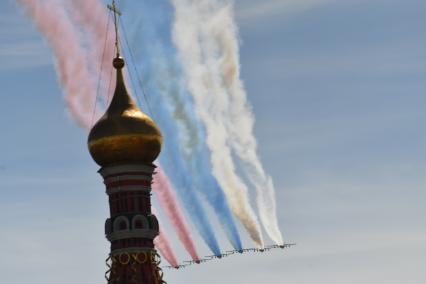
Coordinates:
(124,134)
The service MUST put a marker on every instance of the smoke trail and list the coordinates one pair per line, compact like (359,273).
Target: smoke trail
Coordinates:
(53,21)
(191,148)
(151,35)
(87,12)
(221,46)
(183,185)
(93,16)
(211,108)
(71,59)
(167,199)
(162,242)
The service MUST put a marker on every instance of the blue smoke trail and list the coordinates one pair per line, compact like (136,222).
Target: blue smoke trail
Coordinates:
(185,156)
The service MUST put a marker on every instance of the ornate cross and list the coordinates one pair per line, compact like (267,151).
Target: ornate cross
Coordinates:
(116,12)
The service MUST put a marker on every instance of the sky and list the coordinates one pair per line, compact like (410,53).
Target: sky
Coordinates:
(338,91)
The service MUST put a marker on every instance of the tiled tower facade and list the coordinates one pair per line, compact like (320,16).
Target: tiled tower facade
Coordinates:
(131,227)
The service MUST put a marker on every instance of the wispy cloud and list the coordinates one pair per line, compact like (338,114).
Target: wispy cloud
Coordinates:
(254,10)
(27,54)
(20,46)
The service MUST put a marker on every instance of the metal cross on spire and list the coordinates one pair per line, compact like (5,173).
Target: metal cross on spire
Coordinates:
(116,12)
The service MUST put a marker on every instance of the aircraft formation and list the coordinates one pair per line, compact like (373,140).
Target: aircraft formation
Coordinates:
(228,253)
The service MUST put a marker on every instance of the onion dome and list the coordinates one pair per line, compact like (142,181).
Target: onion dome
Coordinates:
(124,134)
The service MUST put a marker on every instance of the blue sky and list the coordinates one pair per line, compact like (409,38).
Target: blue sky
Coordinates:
(338,90)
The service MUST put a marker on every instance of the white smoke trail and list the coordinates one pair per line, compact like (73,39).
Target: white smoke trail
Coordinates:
(211,108)
(243,140)
(241,118)
(217,37)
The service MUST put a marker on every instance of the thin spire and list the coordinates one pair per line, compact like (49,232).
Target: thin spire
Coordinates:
(116,12)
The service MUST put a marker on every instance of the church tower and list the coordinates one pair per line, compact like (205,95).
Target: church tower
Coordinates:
(125,142)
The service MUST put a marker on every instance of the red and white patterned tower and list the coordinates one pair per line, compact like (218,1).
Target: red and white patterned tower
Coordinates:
(125,142)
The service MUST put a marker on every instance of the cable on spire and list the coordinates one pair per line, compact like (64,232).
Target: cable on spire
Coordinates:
(116,13)
(138,74)
(100,73)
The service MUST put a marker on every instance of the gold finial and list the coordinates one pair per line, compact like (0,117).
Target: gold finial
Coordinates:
(116,12)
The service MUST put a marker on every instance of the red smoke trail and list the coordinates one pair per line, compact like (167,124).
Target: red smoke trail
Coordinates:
(92,15)
(72,67)
(71,59)
(163,244)
(167,198)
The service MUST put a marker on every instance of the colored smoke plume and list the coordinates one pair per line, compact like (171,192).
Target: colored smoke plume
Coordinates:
(71,59)
(222,30)
(172,104)
(204,83)
(93,16)
(162,242)
(167,198)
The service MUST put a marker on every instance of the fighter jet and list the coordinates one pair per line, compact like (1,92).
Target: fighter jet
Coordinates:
(228,253)
(190,262)
(250,250)
(214,256)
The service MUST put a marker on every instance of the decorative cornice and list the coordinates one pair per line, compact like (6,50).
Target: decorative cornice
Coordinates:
(132,234)
(126,169)
(133,188)
(126,177)
(133,250)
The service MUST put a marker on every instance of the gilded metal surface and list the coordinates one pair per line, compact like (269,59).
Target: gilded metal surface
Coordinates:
(134,261)
(124,134)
